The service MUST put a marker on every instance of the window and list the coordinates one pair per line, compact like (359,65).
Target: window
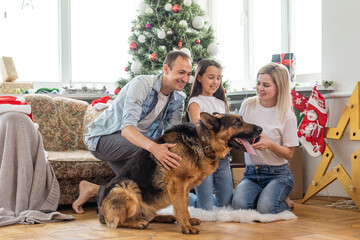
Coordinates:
(99,39)
(250,31)
(29,35)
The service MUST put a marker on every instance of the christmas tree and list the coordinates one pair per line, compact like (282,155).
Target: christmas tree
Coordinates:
(163,26)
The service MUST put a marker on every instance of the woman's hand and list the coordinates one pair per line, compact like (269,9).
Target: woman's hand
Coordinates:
(280,151)
(164,155)
(263,143)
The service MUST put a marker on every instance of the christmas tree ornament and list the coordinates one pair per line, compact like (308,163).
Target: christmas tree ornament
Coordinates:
(169,32)
(148,25)
(162,48)
(198,22)
(197,41)
(212,49)
(132,29)
(136,67)
(138,26)
(187,51)
(176,8)
(149,11)
(161,34)
(133,46)
(311,129)
(126,69)
(168,7)
(191,80)
(153,57)
(187,3)
(180,44)
(183,23)
(117,90)
(141,38)
(142,7)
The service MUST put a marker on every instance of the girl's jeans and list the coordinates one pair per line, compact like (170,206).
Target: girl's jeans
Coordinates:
(264,188)
(220,183)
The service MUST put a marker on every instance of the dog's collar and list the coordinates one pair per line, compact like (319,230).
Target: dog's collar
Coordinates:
(208,151)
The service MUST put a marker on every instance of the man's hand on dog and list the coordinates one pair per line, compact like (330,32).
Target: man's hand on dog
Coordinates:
(164,156)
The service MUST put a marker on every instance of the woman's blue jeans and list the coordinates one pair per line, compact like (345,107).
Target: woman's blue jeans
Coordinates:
(220,183)
(264,188)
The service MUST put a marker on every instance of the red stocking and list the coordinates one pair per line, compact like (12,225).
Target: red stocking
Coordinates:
(311,129)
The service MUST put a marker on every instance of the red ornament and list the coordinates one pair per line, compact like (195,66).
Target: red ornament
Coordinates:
(117,90)
(176,8)
(225,91)
(133,46)
(180,43)
(153,57)
(197,41)
(126,69)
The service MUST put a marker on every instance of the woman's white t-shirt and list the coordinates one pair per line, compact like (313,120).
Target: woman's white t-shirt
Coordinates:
(284,134)
(209,104)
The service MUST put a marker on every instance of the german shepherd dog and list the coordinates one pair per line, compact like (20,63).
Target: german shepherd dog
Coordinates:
(144,186)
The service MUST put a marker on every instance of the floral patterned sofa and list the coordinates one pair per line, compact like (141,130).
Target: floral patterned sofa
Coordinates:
(62,122)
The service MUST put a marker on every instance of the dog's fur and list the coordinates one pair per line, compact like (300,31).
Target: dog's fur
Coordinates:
(144,186)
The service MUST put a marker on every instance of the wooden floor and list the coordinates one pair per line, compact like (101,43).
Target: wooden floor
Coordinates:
(315,221)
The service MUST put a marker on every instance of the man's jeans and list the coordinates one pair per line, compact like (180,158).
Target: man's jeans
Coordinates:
(264,188)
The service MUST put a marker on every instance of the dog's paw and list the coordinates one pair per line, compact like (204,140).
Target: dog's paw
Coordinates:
(111,224)
(142,224)
(190,230)
(194,221)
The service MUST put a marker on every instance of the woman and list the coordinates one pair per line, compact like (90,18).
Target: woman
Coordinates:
(267,180)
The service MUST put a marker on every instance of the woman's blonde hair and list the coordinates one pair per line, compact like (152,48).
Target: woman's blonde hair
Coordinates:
(280,76)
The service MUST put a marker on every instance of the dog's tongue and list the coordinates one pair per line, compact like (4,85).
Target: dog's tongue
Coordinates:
(248,147)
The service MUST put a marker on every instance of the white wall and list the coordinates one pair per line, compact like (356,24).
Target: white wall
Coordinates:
(340,63)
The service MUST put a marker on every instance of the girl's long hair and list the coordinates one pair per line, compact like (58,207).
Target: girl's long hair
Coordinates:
(196,88)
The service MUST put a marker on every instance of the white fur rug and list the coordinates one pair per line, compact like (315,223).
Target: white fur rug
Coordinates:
(229,215)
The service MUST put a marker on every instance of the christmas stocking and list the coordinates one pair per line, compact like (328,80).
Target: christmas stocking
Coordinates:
(299,103)
(311,129)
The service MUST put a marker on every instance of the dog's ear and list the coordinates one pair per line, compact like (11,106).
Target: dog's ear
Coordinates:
(210,121)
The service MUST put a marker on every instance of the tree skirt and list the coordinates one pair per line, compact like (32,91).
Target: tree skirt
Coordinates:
(227,214)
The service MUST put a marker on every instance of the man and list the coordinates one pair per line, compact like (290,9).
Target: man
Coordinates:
(143,109)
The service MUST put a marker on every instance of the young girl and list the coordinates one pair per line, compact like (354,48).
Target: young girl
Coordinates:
(207,95)
(267,180)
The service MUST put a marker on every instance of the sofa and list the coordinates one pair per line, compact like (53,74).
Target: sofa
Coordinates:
(62,123)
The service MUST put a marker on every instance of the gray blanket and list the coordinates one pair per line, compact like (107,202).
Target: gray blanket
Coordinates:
(29,190)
